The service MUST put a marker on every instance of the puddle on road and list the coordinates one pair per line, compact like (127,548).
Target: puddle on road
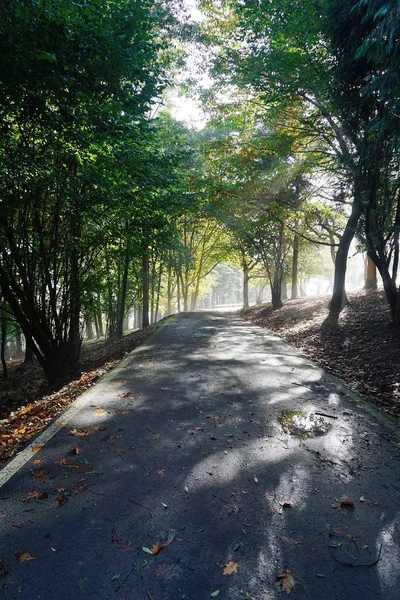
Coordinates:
(303,425)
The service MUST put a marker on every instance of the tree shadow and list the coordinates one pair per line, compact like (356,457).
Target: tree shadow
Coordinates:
(192,454)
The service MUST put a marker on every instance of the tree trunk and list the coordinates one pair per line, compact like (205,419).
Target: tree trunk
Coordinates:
(178,293)
(158,293)
(3,346)
(371,280)
(100,316)
(276,289)
(246,277)
(89,328)
(339,297)
(28,352)
(169,292)
(295,266)
(122,297)
(145,287)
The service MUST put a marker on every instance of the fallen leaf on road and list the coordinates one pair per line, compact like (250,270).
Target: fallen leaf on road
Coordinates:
(37,448)
(230,568)
(345,503)
(62,499)
(160,472)
(77,450)
(155,549)
(38,475)
(286,581)
(81,468)
(214,594)
(79,487)
(37,462)
(82,433)
(62,462)
(35,496)
(25,556)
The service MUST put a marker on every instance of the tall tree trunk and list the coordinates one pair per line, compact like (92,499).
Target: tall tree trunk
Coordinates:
(158,293)
(371,280)
(339,297)
(96,326)
(178,293)
(89,328)
(246,277)
(122,297)
(28,352)
(295,268)
(276,290)
(100,316)
(3,345)
(169,292)
(153,279)
(145,287)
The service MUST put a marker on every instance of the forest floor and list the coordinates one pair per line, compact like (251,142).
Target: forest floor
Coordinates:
(362,349)
(28,403)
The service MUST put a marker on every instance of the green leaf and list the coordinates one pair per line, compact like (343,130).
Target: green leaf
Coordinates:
(116,576)
(214,594)
(147,550)
(164,505)
(336,544)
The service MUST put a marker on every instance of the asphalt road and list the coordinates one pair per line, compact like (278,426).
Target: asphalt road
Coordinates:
(182,444)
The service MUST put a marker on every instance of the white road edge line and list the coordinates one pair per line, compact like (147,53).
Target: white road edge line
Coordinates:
(27,453)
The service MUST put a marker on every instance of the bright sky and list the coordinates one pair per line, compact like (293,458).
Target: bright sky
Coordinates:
(186,109)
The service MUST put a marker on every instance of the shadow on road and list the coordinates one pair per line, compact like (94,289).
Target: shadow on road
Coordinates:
(192,453)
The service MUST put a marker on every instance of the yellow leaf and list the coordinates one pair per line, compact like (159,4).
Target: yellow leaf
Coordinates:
(25,556)
(230,568)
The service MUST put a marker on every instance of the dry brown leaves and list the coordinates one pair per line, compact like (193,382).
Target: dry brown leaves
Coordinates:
(35,496)
(230,568)
(27,422)
(286,581)
(25,556)
(155,549)
(39,475)
(345,503)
